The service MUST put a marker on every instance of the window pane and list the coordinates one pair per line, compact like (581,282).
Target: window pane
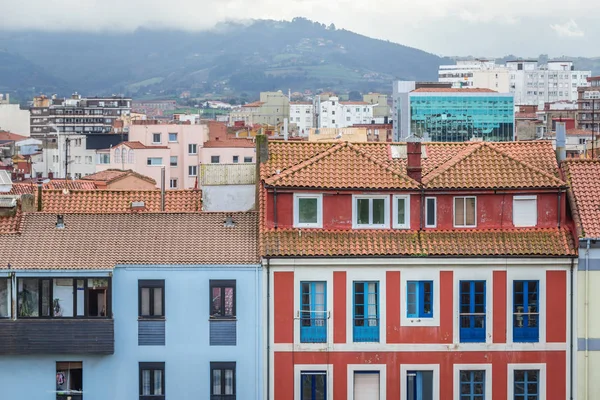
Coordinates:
(46,302)
(430,211)
(62,305)
(158,381)
(158,306)
(378,211)
(80,298)
(459,211)
(362,211)
(228,381)
(5,298)
(216,381)
(401,203)
(307,210)
(216,302)
(229,301)
(145,301)
(146,382)
(28,297)
(470,211)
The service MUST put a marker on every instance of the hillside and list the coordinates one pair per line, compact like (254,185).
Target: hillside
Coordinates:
(234,58)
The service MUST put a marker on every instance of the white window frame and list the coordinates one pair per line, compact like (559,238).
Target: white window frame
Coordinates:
(299,368)
(420,274)
(396,224)
(426,214)
(516,199)
(154,165)
(159,137)
(473,367)
(319,197)
(381,368)
(171,183)
(176,137)
(404,368)
(192,144)
(386,217)
(194,166)
(465,211)
(511,378)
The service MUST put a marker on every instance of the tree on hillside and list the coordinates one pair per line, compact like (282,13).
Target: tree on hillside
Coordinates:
(354,96)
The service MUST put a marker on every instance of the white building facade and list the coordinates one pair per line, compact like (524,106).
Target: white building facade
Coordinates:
(80,161)
(462,73)
(334,113)
(302,115)
(12,118)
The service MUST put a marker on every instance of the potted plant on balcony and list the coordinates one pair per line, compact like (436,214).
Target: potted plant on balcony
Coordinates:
(26,305)
(56,307)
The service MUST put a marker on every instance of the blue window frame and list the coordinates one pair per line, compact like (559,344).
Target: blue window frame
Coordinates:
(526,312)
(313,385)
(419,299)
(472,385)
(366,312)
(313,314)
(472,311)
(419,385)
(526,384)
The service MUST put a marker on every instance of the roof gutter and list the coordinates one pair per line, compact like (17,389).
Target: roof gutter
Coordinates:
(423,256)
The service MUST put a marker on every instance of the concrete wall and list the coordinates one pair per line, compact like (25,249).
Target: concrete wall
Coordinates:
(187,354)
(15,120)
(133,183)
(226,154)
(228,198)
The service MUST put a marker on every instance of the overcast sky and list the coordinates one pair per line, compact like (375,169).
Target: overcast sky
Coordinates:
(487,28)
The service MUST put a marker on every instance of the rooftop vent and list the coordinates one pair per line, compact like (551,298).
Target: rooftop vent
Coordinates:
(229,222)
(60,222)
(138,205)
(399,151)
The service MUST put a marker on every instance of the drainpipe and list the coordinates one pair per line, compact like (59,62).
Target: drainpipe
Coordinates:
(268,329)
(13,295)
(275,207)
(423,205)
(571,361)
(559,207)
(586,306)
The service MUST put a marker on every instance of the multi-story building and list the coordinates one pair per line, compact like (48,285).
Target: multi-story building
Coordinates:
(271,109)
(381,109)
(89,309)
(13,118)
(451,115)
(76,115)
(416,272)
(302,117)
(588,101)
(530,82)
(333,113)
(153,145)
(151,106)
(584,196)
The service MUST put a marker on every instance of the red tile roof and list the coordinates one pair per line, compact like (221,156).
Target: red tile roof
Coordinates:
(31,187)
(4,135)
(254,104)
(456,90)
(356,168)
(101,241)
(583,176)
(480,165)
(11,224)
(579,132)
(119,201)
(112,175)
(368,243)
(230,142)
(140,146)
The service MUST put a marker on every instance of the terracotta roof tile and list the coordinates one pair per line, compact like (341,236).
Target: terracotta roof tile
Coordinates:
(4,135)
(584,195)
(254,104)
(482,166)
(140,146)
(342,165)
(112,175)
(237,142)
(101,241)
(470,243)
(71,185)
(119,201)
(11,224)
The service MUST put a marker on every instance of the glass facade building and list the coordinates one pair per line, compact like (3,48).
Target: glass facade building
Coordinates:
(459,117)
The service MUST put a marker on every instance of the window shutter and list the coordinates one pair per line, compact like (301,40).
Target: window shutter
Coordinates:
(366,386)
(525,211)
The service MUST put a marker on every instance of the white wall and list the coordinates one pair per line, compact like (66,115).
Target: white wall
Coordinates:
(228,197)
(14,120)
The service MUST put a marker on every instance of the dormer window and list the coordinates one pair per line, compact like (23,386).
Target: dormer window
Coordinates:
(370,212)
(465,215)
(308,210)
(524,211)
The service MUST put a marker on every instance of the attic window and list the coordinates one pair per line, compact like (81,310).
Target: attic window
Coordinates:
(229,222)
(60,222)
(138,205)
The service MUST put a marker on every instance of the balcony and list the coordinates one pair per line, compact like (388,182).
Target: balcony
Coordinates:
(313,330)
(366,330)
(57,336)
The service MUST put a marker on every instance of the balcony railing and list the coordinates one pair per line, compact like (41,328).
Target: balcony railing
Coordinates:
(57,336)
(366,330)
(313,327)
(472,328)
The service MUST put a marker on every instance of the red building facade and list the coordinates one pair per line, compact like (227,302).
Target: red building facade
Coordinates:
(416,272)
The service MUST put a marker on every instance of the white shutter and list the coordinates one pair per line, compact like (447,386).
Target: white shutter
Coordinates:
(525,210)
(366,386)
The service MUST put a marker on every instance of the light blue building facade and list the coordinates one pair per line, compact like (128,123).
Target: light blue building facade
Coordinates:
(165,330)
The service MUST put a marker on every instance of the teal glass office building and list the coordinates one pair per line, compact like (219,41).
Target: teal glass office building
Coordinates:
(458,117)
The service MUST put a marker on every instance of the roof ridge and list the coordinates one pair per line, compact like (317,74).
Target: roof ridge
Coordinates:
(527,165)
(306,159)
(379,163)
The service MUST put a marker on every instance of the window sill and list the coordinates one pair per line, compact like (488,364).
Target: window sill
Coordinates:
(465,226)
(222,318)
(370,227)
(152,318)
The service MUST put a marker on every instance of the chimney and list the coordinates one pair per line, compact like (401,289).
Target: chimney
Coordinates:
(50,175)
(561,138)
(285,129)
(413,166)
